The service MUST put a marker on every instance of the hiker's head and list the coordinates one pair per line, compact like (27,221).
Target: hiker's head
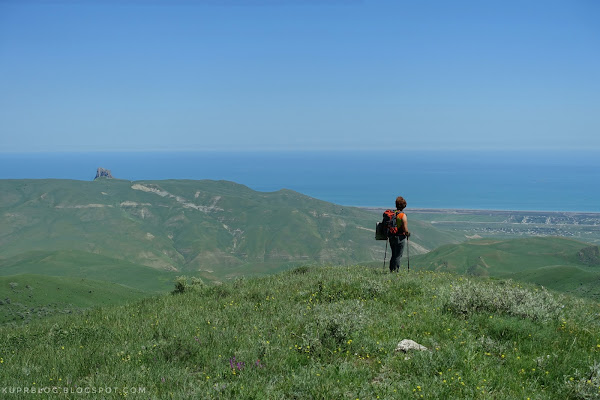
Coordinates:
(400,203)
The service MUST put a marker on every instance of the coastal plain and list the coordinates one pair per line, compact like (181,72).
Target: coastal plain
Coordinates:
(584,226)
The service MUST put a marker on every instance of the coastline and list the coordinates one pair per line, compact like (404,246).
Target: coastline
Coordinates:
(463,182)
(464,211)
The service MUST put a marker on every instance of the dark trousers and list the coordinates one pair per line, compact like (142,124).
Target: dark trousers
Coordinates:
(397,244)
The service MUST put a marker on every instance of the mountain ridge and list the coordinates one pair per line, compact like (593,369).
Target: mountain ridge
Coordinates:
(188,225)
(120,231)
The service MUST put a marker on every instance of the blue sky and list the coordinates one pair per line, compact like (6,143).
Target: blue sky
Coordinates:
(271,75)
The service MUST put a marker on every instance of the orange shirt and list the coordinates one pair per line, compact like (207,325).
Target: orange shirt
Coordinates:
(399,224)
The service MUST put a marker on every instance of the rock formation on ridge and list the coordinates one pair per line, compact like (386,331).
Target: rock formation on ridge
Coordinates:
(101,172)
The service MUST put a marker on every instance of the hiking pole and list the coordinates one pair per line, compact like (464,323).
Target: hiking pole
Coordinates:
(408,253)
(385,255)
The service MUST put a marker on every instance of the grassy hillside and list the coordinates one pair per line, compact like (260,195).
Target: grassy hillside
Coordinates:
(221,229)
(80,264)
(28,297)
(557,263)
(319,333)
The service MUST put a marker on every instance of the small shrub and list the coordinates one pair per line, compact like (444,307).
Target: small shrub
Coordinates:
(220,291)
(334,326)
(586,386)
(504,298)
(239,282)
(372,289)
(183,284)
(180,284)
(197,282)
(300,270)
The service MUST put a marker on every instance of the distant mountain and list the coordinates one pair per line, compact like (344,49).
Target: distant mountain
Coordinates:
(561,264)
(216,229)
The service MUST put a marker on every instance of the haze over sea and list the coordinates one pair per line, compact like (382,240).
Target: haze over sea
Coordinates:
(482,179)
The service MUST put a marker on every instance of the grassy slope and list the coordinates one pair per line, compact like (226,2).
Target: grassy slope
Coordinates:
(321,333)
(185,225)
(26,297)
(547,261)
(79,264)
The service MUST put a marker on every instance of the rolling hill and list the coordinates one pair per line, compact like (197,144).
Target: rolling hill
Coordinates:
(143,234)
(80,264)
(26,297)
(216,229)
(558,263)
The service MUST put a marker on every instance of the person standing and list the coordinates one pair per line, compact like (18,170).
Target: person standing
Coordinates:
(398,241)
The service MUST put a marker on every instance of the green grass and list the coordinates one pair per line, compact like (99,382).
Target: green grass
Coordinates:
(80,264)
(28,297)
(320,333)
(550,261)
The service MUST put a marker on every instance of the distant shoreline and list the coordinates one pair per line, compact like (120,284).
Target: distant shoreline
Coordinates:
(460,211)
(445,180)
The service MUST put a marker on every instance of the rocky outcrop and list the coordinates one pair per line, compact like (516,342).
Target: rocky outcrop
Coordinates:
(103,173)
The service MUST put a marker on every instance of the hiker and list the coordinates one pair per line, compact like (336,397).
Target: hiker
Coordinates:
(398,241)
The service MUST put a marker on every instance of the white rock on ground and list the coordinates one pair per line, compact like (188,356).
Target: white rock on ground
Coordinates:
(406,345)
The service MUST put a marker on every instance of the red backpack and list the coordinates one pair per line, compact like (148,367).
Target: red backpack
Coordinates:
(388,226)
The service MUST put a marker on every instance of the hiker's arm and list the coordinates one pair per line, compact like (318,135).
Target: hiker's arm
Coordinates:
(405,226)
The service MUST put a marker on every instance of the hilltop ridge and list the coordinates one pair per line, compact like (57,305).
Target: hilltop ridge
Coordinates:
(217,228)
(321,333)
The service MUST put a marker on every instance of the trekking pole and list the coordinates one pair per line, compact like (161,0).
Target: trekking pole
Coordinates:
(385,255)
(408,253)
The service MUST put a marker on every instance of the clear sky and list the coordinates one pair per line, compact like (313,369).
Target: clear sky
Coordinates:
(266,74)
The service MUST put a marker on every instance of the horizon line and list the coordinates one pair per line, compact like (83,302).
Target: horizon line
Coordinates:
(301,150)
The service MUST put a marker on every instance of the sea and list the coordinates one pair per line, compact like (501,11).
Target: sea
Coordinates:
(468,179)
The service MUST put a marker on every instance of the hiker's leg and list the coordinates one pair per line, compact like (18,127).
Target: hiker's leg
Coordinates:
(392,249)
(401,246)
(397,245)
(395,258)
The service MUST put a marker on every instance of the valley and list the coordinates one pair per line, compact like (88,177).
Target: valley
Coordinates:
(137,237)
